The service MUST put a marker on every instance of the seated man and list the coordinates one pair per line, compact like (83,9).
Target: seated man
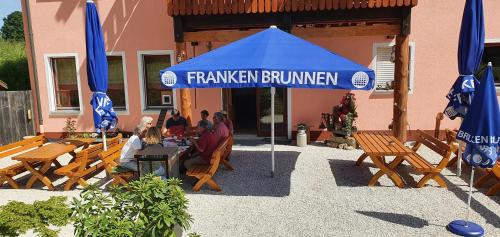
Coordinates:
(176,125)
(204,117)
(220,129)
(205,146)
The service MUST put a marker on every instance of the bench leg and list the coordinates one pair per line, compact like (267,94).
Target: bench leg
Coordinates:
(9,180)
(361,159)
(227,165)
(429,176)
(214,185)
(483,179)
(202,180)
(493,190)
(452,161)
(388,170)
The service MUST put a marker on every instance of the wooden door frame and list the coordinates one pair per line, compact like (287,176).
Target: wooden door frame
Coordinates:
(277,133)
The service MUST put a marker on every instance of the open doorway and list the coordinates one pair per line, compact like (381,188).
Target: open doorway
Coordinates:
(244,110)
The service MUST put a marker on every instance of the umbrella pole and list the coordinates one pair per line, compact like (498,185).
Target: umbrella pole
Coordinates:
(459,156)
(470,197)
(273,91)
(466,227)
(105,146)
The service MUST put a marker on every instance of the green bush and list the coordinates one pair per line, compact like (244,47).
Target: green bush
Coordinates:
(146,207)
(14,65)
(17,217)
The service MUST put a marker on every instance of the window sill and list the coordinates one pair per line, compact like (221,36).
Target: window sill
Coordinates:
(388,92)
(65,113)
(122,112)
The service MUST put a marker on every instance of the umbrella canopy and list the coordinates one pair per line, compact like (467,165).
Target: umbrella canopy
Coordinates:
(270,58)
(481,127)
(97,71)
(470,53)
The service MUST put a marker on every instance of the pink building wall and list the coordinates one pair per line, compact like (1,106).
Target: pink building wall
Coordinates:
(133,25)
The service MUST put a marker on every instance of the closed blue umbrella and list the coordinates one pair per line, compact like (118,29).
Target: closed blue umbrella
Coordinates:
(470,53)
(268,59)
(480,131)
(97,73)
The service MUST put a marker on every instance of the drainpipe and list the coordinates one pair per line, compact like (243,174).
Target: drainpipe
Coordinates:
(33,63)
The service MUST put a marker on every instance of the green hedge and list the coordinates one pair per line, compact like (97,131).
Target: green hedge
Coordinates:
(14,65)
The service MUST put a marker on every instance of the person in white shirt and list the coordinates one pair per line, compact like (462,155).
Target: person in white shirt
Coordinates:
(134,144)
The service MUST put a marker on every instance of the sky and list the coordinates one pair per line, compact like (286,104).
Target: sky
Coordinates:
(8,6)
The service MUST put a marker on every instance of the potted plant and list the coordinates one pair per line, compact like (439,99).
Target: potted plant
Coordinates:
(149,206)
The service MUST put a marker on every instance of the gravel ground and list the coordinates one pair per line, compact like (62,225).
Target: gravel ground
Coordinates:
(317,191)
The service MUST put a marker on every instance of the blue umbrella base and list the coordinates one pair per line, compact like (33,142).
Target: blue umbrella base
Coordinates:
(458,227)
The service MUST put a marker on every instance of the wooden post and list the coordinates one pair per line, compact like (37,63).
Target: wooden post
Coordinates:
(400,113)
(401,78)
(181,55)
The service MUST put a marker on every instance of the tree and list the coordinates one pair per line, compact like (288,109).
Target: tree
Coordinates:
(12,29)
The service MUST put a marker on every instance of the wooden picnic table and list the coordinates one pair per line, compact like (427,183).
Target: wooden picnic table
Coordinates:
(47,155)
(377,146)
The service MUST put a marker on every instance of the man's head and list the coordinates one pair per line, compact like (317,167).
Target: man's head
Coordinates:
(175,114)
(218,117)
(204,114)
(202,126)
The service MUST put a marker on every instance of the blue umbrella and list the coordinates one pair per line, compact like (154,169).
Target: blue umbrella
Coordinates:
(97,72)
(470,53)
(271,58)
(480,130)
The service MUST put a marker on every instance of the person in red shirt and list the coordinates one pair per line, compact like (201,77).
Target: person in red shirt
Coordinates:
(205,146)
(220,128)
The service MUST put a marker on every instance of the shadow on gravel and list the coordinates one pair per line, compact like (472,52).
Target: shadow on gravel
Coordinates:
(401,219)
(347,174)
(252,175)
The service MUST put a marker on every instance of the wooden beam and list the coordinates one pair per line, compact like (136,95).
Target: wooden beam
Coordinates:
(344,31)
(401,75)
(181,55)
(193,23)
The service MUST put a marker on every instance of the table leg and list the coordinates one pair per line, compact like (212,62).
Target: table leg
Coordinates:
(39,175)
(388,170)
(361,159)
(57,164)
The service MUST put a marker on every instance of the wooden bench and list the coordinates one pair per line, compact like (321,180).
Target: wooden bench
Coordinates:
(86,162)
(204,173)
(111,159)
(490,173)
(227,153)
(423,166)
(7,173)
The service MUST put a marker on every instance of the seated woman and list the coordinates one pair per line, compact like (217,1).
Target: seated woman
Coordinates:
(153,138)
(134,144)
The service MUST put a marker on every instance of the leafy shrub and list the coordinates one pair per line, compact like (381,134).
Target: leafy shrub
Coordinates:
(18,217)
(14,65)
(146,207)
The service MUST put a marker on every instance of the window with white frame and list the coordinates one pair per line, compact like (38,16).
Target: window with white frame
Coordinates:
(384,66)
(63,83)
(491,54)
(116,82)
(154,95)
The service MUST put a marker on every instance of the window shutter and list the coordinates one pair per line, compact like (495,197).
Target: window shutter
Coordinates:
(384,69)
